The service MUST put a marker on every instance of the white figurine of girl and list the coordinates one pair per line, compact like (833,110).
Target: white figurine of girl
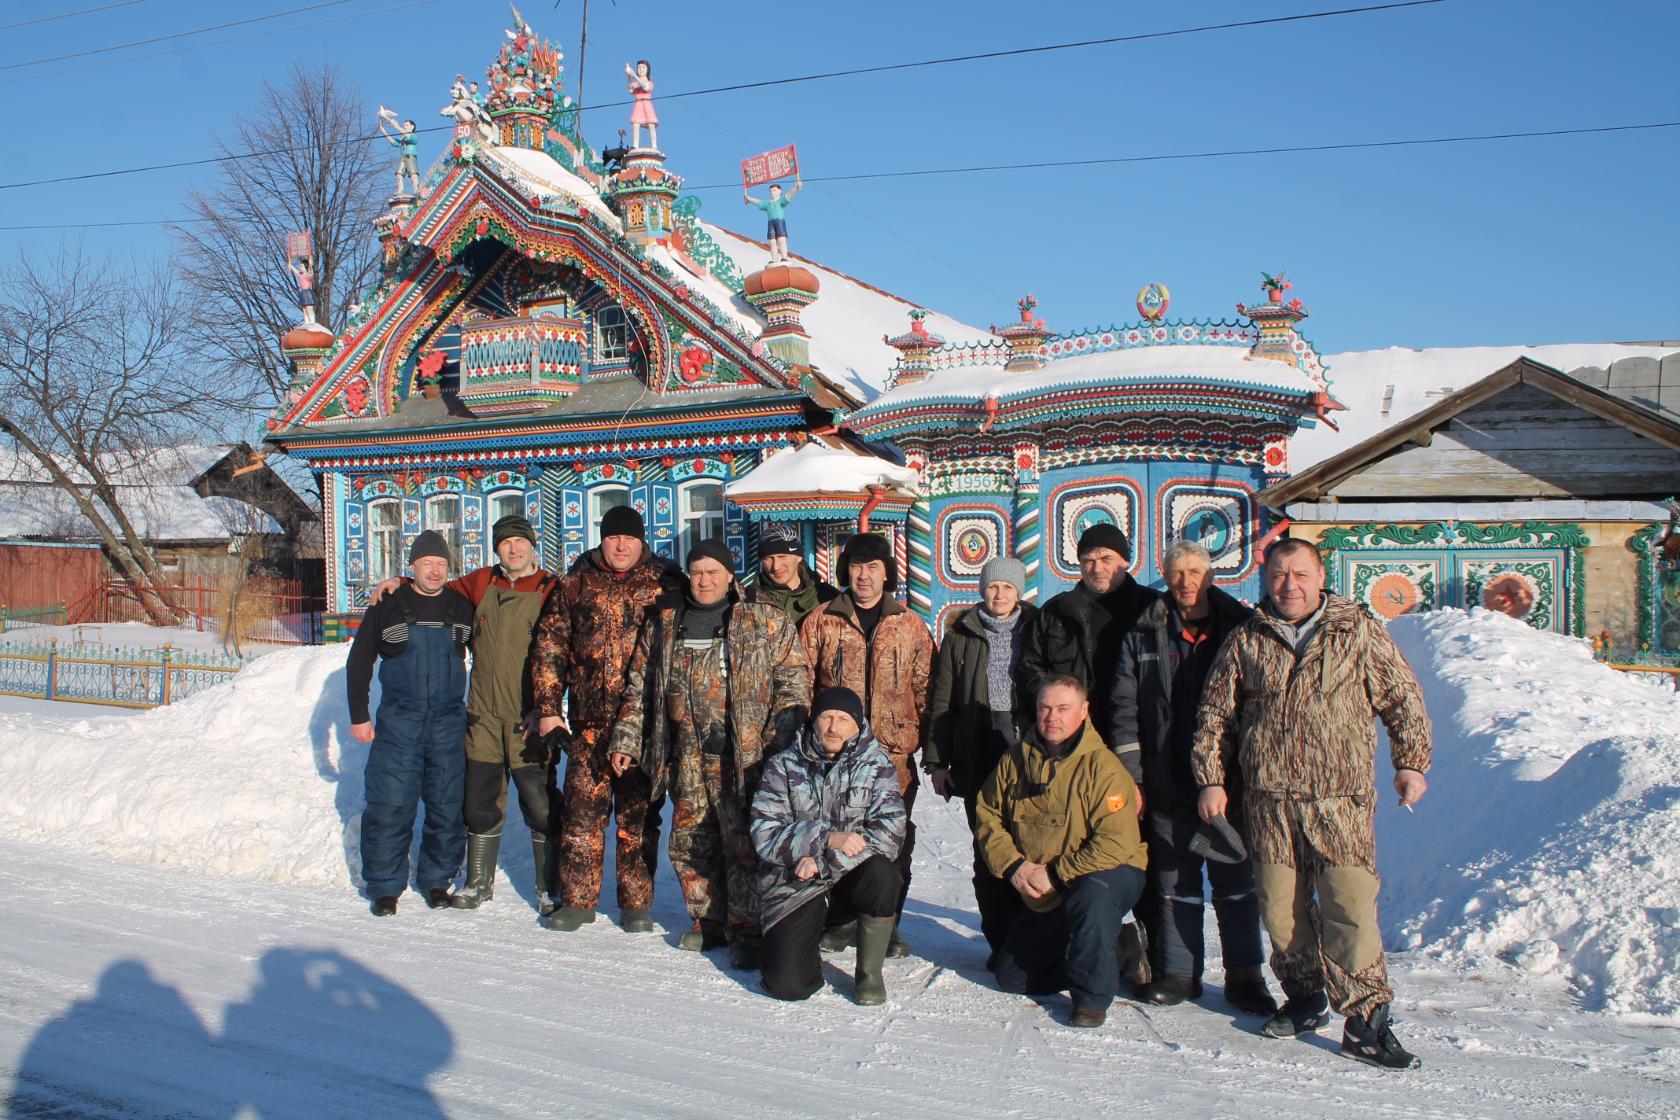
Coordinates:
(641,88)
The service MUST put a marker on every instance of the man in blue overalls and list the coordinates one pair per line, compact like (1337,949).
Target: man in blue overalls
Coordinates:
(419,634)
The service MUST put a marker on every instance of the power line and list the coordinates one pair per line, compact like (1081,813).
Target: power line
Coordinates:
(173,35)
(774,82)
(67,15)
(211,43)
(1348,146)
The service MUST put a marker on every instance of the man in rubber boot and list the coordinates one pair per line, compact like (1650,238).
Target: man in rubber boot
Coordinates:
(715,687)
(1058,820)
(418,635)
(784,578)
(502,738)
(826,823)
(1157,687)
(867,641)
(1290,703)
(585,638)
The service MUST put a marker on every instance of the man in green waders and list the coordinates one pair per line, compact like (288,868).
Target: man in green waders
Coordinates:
(502,739)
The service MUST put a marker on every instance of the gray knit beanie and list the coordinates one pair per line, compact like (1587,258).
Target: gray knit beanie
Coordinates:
(1004,569)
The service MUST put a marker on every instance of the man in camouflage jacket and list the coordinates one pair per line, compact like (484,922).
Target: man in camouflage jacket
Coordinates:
(715,686)
(584,640)
(1290,701)
(867,641)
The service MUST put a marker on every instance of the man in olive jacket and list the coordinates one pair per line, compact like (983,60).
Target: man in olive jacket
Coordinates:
(1292,701)
(1058,820)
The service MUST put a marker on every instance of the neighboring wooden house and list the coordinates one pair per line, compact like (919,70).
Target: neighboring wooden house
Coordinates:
(1529,491)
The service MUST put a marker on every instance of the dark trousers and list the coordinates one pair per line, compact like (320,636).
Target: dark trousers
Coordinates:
(486,797)
(1076,945)
(1175,920)
(997,901)
(792,957)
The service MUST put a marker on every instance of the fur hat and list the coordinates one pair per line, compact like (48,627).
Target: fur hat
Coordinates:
(861,548)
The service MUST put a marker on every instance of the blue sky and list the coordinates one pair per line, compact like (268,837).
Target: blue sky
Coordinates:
(1522,241)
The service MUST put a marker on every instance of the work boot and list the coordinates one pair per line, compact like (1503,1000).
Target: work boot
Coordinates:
(746,954)
(704,936)
(840,937)
(568,919)
(1171,989)
(1087,1017)
(439,898)
(1134,955)
(384,906)
(1372,1041)
(1245,990)
(635,921)
(1298,1016)
(897,947)
(874,939)
(480,886)
(545,857)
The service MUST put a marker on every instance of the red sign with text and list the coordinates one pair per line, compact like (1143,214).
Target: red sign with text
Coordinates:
(769,167)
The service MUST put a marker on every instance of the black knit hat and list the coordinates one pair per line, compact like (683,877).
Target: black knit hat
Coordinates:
(861,548)
(837,699)
(711,550)
(1106,535)
(430,543)
(513,525)
(779,538)
(622,521)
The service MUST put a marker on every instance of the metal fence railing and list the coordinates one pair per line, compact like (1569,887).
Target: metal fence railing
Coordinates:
(17,618)
(137,678)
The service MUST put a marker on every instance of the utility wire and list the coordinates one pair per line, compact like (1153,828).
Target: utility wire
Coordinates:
(1160,158)
(105,63)
(67,15)
(173,35)
(770,82)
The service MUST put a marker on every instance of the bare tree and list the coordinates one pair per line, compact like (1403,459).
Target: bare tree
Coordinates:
(303,162)
(94,377)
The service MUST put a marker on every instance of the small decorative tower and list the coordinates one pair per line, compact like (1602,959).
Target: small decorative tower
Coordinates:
(781,292)
(917,346)
(641,192)
(1276,320)
(525,84)
(1025,338)
(305,346)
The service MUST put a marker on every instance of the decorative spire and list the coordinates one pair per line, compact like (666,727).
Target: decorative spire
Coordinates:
(781,292)
(1026,338)
(917,346)
(1276,319)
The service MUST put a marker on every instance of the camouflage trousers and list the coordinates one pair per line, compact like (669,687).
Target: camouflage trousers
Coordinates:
(590,792)
(1315,871)
(711,849)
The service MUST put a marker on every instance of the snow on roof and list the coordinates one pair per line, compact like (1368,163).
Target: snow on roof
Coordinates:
(1230,364)
(172,466)
(848,320)
(159,513)
(1362,379)
(818,469)
(539,171)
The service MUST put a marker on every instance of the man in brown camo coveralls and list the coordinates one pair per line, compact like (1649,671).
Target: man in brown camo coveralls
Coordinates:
(1291,700)
(716,686)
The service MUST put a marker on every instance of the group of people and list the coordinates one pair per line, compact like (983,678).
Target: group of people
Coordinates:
(1110,749)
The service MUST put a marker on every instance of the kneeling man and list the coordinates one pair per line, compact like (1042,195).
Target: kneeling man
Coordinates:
(1058,820)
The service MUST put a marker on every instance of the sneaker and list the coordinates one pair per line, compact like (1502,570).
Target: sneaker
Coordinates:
(1170,990)
(438,898)
(1087,1018)
(838,938)
(384,906)
(1371,1040)
(635,921)
(568,919)
(1298,1016)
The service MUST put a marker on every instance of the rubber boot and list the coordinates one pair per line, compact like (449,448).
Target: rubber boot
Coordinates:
(545,857)
(635,921)
(868,978)
(746,954)
(480,886)
(568,919)
(704,936)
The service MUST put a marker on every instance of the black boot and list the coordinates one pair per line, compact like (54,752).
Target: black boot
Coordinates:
(840,937)
(480,886)
(545,857)
(1371,1040)
(439,898)
(567,919)
(1134,956)
(746,954)
(705,935)
(1298,1015)
(1170,989)
(384,906)
(1245,990)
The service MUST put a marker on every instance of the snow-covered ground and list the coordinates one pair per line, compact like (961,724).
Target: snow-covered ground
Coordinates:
(127,635)
(181,939)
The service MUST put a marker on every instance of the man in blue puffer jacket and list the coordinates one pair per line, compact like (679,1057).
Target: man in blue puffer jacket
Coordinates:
(827,823)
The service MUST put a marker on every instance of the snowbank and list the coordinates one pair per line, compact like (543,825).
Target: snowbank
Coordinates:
(1550,837)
